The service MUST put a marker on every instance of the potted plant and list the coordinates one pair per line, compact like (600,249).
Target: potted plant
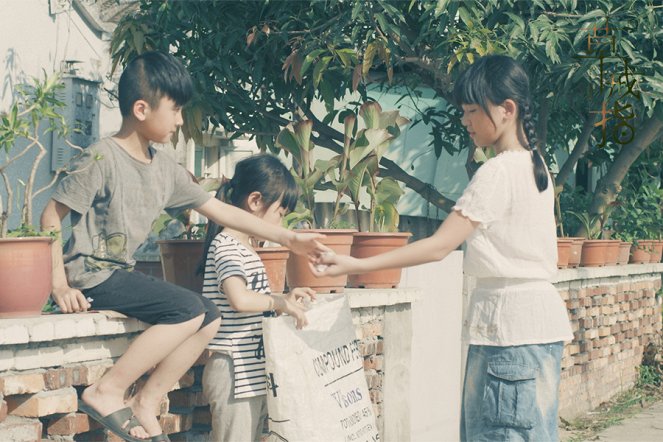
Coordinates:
(295,139)
(569,249)
(181,243)
(25,253)
(635,217)
(358,172)
(593,248)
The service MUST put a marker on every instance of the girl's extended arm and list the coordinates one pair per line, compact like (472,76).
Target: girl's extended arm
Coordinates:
(242,299)
(451,234)
(230,216)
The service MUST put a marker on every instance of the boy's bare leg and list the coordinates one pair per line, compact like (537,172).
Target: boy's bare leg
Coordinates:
(167,373)
(147,350)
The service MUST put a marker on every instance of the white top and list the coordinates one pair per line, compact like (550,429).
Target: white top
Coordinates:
(240,334)
(513,255)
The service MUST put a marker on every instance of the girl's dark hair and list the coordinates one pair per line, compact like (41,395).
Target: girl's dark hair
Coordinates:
(494,79)
(151,76)
(262,173)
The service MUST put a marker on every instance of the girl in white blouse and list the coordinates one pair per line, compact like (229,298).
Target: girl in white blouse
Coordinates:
(517,322)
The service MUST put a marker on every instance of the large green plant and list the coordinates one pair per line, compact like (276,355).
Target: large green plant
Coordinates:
(270,64)
(32,116)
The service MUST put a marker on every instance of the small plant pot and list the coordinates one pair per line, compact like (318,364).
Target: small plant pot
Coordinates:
(624,252)
(656,251)
(25,271)
(298,273)
(593,253)
(576,251)
(563,252)
(274,259)
(367,244)
(179,261)
(612,252)
(640,252)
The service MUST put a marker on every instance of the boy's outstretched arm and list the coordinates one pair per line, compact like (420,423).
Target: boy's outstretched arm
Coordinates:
(69,300)
(230,216)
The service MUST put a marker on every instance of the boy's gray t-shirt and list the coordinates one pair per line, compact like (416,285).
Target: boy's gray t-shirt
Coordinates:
(114,200)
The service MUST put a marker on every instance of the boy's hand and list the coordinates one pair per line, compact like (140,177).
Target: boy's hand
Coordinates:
(303,243)
(292,308)
(70,300)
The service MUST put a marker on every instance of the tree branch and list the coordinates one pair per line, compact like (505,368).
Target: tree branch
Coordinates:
(425,190)
(578,150)
(609,185)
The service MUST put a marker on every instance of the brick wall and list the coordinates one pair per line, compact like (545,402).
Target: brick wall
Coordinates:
(45,363)
(614,313)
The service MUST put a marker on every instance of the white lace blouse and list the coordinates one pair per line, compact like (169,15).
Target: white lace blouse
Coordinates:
(513,255)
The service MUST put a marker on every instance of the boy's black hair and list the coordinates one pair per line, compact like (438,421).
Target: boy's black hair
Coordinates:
(494,79)
(152,76)
(262,173)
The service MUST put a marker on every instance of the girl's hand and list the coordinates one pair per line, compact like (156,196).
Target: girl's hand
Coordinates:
(301,294)
(285,305)
(329,263)
(303,243)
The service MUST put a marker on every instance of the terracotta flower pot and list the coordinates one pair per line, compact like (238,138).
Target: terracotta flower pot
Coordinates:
(656,251)
(576,251)
(298,273)
(593,253)
(612,252)
(639,252)
(25,275)
(563,252)
(274,259)
(624,252)
(179,261)
(373,243)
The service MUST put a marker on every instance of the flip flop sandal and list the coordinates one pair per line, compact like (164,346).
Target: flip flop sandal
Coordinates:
(163,437)
(113,421)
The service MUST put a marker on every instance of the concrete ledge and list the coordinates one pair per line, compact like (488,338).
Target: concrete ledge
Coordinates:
(606,272)
(359,298)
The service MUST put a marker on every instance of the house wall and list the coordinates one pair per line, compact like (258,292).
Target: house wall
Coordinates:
(34,41)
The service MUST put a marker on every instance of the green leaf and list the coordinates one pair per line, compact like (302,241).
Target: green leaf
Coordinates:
(319,69)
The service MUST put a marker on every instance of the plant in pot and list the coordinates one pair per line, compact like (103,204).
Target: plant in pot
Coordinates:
(593,248)
(25,253)
(358,172)
(295,139)
(566,201)
(632,219)
(180,242)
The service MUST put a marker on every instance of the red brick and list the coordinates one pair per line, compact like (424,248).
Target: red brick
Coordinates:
(70,424)
(3,411)
(43,403)
(20,429)
(57,378)
(175,423)
(31,381)
(586,346)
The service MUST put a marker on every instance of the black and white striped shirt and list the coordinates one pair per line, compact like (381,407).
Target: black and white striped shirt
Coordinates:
(240,334)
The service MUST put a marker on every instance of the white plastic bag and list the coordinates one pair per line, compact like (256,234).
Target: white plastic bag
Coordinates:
(316,385)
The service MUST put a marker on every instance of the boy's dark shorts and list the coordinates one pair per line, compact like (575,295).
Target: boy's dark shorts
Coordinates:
(150,300)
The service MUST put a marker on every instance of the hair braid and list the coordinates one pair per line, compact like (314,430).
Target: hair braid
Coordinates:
(540,172)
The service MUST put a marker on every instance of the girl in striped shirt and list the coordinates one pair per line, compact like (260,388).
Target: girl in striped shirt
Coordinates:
(234,380)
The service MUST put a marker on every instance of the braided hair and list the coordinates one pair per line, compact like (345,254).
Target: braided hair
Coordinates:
(262,173)
(494,79)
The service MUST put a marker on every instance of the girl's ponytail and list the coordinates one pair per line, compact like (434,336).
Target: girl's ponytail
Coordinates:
(540,172)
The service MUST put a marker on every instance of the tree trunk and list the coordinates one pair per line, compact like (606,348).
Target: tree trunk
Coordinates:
(578,150)
(609,185)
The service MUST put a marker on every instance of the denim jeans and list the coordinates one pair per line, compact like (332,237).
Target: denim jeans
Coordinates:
(511,393)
